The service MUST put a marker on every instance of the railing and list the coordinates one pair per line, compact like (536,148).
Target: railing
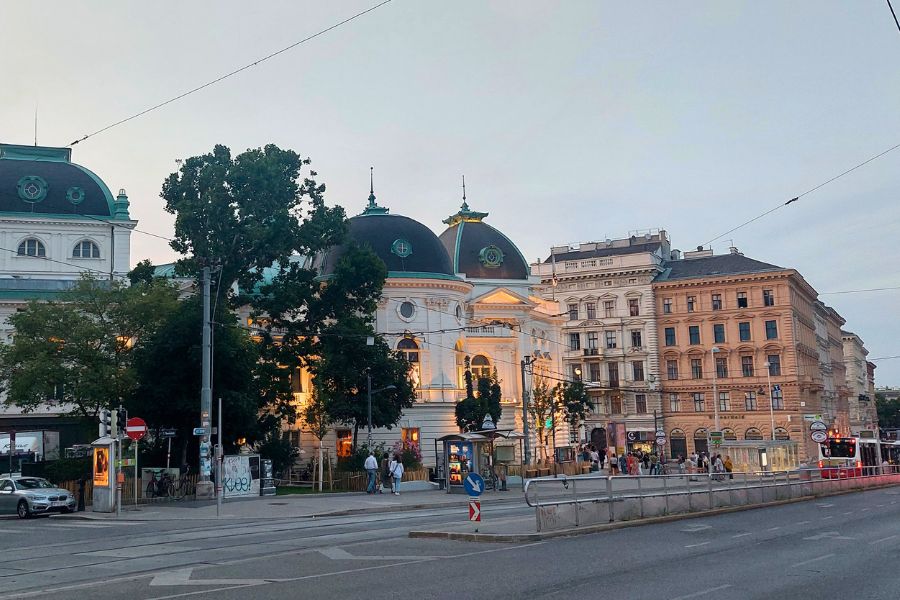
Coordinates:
(566,502)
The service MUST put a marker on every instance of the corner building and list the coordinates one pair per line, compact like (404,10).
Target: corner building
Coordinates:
(742,323)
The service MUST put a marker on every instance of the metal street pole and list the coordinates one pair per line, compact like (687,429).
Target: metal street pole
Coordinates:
(204,485)
(713,351)
(220,450)
(771,399)
(369,397)
(525,362)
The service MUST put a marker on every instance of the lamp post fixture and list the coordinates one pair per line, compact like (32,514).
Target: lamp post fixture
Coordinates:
(713,351)
(369,393)
(771,399)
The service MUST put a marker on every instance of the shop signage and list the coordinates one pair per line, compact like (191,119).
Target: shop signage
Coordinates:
(474,510)
(660,440)
(474,484)
(199,430)
(818,437)
(818,426)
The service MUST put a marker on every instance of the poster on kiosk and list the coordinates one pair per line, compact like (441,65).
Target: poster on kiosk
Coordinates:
(103,458)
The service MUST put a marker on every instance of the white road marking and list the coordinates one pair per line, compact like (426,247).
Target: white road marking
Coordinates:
(773,528)
(741,535)
(335,553)
(183,577)
(880,505)
(864,509)
(824,505)
(849,512)
(812,560)
(695,545)
(78,526)
(703,592)
(698,527)
(890,537)
(802,522)
(825,518)
(832,535)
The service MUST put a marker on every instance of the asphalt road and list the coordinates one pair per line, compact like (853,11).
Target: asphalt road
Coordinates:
(841,547)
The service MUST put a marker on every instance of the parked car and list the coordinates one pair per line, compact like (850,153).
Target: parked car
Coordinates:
(27,496)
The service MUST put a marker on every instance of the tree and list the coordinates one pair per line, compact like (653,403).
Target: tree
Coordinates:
(574,402)
(544,405)
(888,412)
(318,421)
(471,410)
(76,353)
(142,272)
(169,391)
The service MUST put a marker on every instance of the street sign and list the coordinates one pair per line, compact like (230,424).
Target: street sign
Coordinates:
(818,426)
(199,430)
(125,462)
(474,509)
(474,484)
(135,428)
(818,437)
(168,433)
(661,440)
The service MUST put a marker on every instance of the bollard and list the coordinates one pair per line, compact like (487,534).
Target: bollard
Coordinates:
(612,504)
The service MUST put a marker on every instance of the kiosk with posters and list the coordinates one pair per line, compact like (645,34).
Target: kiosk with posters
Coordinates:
(103,459)
(475,452)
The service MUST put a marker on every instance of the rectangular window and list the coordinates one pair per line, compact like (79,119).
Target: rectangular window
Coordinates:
(774,365)
(297,381)
(598,405)
(699,403)
(344,443)
(609,308)
(640,403)
(768,298)
(719,333)
(591,308)
(724,401)
(574,341)
(592,339)
(750,401)
(742,299)
(721,367)
(610,339)
(674,403)
(595,371)
(670,336)
(636,341)
(747,366)
(667,306)
(616,405)
(613,370)
(694,334)
(634,308)
(672,369)
(637,368)
(744,329)
(691,300)
(777,399)
(696,368)
(409,434)
(717,301)
(573,312)
(771,330)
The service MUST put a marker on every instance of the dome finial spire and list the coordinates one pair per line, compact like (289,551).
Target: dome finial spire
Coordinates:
(372,207)
(465,213)
(465,205)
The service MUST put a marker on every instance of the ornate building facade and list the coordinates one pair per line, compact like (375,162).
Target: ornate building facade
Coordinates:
(863,416)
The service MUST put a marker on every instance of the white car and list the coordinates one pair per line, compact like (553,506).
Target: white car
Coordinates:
(27,496)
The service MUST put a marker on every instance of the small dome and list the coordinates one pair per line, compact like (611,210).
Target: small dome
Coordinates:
(44,180)
(479,250)
(407,247)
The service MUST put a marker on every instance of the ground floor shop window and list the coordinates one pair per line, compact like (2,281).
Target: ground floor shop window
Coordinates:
(409,434)
(700,442)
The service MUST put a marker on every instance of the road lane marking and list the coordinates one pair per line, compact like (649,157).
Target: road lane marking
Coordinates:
(695,545)
(812,560)
(880,505)
(849,512)
(698,527)
(890,537)
(703,592)
(773,528)
(824,505)
(864,509)
(183,577)
(741,535)
(825,518)
(802,522)
(335,553)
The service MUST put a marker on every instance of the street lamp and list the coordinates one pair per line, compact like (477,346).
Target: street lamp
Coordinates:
(771,399)
(713,351)
(526,362)
(369,392)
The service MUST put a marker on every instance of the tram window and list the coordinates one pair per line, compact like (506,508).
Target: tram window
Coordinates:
(842,448)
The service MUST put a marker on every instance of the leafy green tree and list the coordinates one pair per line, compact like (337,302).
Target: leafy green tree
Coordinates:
(544,405)
(471,410)
(574,403)
(142,272)
(888,412)
(77,353)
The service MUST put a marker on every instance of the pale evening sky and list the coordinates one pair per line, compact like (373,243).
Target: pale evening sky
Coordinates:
(572,121)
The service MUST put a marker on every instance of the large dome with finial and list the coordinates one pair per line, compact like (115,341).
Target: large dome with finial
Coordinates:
(480,251)
(407,247)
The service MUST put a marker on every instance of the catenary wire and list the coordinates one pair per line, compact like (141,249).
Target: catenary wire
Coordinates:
(881,289)
(893,14)
(230,74)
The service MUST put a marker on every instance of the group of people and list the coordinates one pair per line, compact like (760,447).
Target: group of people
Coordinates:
(637,462)
(391,474)
(704,463)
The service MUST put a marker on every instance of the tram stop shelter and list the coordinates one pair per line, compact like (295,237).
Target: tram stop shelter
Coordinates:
(476,452)
(760,455)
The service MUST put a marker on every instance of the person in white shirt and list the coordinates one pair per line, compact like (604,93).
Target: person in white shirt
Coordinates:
(396,469)
(371,466)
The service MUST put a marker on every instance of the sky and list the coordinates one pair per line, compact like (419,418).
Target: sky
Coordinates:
(571,121)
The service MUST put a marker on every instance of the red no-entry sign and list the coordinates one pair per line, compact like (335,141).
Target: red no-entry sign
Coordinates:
(135,428)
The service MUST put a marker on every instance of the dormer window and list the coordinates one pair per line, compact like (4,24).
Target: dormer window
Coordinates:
(32,247)
(86,249)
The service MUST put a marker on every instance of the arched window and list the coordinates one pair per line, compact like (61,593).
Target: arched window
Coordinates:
(753,434)
(701,444)
(481,367)
(86,249)
(782,434)
(410,350)
(32,247)
(729,434)
(678,443)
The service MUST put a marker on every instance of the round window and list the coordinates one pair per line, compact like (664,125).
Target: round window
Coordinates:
(407,310)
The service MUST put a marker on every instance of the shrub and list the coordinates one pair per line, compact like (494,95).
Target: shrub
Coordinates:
(410,454)
(357,460)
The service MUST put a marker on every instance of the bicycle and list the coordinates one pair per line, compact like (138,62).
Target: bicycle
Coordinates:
(489,477)
(183,487)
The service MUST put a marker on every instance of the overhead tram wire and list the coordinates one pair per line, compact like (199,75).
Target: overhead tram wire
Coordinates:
(809,191)
(881,289)
(231,73)
(893,14)
(62,262)
(123,226)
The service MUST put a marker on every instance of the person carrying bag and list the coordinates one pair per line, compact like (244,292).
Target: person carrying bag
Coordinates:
(396,469)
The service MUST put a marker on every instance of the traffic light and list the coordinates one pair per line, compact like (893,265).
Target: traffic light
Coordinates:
(105,423)
(122,417)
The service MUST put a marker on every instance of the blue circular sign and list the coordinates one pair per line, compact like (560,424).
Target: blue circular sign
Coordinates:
(474,484)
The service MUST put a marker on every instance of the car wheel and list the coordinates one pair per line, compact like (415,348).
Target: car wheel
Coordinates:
(22,510)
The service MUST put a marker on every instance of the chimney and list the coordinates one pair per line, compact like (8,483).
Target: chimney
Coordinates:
(734,250)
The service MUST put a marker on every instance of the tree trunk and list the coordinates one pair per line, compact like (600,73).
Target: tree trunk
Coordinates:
(321,466)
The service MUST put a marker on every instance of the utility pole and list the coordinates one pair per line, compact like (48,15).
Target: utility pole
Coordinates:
(771,398)
(204,485)
(525,363)
(220,451)
(369,407)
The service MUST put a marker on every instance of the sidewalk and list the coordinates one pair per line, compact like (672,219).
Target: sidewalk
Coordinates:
(297,506)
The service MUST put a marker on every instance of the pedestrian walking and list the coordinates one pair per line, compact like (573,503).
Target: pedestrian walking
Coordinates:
(654,464)
(729,467)
(623,464)
(371,466)
(396,468)
(595,460)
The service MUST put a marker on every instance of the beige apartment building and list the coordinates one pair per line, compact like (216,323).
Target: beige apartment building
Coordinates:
(605,291)
(835,393)
(863,415)
(737,338)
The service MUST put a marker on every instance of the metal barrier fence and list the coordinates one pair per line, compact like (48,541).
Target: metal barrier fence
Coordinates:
(567,502)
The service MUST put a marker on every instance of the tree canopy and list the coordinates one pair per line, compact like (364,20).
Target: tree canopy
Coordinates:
(471,410)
